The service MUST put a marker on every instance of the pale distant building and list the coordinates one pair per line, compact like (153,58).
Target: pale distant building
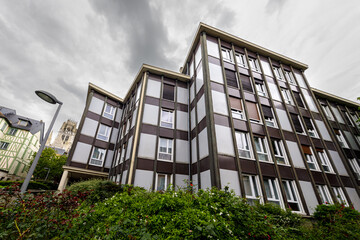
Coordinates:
(65,137)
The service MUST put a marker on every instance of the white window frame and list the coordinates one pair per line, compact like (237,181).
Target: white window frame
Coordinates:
(109,113)
(104,136)
(254,64)
(164,122)
(325,161)
(270,122)
(324,194)
(290,77)
(278,73)
(355,166)
(4,145)
(341,139)
(237,114)
(327,112)
(168,181)
(243,139)
(313,160)
(355,118)
(349,118)
(274,187)
(241,60)
(340,195)
(254,187)
(101,159)
(264,149)
(357,138)
(169,149)
(287,96)
(260,88)
(312,132)
(23,123)
(227,54)
(292,195)
(279,148)
(4,127)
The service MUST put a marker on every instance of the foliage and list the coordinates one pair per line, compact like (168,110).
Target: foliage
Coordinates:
(32,184)
(41,216)
(49,159)
(342,222)
(100,189)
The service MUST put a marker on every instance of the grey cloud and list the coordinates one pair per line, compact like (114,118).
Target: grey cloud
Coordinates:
(274,6)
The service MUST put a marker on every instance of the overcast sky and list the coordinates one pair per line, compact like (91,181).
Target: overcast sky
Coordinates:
(61,46)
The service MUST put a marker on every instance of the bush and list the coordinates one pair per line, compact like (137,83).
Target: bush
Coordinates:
(32,184)
(100,189)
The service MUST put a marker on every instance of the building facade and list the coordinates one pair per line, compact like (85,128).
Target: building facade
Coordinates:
(65,137)
(236,115)
(20,138)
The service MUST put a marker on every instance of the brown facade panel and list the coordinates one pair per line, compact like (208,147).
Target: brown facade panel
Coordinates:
(126,165)
(318,177)
(286,172)
(106,121)
(317,142)
(152,101)
(268,169)
(182,107)
(317,116)
(304,112)
(145,164)
(167,104)
(182,168)
(258,129)
(221,120)
(346,181)
(201,125)
(76,164)
(274,132)
(289,136)
(166,132)
(86,139)
(302,174)
(194,168)
(264,101)
(93,116)
(304,139)
(99,96)
(249,97)
(279,105)
(234,92)
(240,125)
(101,144)
(164,167)
(248,166)
(181,135)
(226,162)
(330,145)
(292,109)
(204,164)
(95,168)
(182,84)
(333,180)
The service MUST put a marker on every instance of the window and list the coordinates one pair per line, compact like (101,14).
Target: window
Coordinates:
(227,54)
(324,194)
(340,195)
(340,138)
(97,157)
(104,132)
(357,138)
(252,189)
(279,152)
(4,145)
(168,92)
(262,149)
(310,127)
(272,191)
(231,78)
(347,119)
(310,159)
(260,88)
(287,97)
(253,112)
(241,60)
(23,123)
(165,149)
(325,163)
(269,117)
(12,131)
(254,64)
(243,144)
(3,127)
(278,73)
(236,108)
(297,124)
(163,181)
(167,118)
(327,112)
(292,196)
(355,166)
(109,111)
(122,156)
(355,119)
(290,77)
(246,83)
(298,99)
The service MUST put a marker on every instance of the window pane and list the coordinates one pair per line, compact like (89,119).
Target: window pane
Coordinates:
(168,92)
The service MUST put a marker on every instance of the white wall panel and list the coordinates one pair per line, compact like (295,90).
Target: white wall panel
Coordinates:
(151,113)
(203,144)
(182,121)
(153,88)
(284,120)
(182,151)
(147,146)
(182,95)
(338,163)
(81,153)
(219,102)
(96,105)
(143,179)
(205,179)
(231,179)
(295,154)
(310,197)
(224,140)
(201,108)
(89,127)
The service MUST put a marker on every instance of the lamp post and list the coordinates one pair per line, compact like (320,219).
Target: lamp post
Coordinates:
(48,97)
(47,174)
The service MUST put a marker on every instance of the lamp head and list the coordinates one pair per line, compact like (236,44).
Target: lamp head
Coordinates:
(48,97)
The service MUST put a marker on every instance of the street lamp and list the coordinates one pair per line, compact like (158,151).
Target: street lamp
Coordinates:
(48,97)
(47,174)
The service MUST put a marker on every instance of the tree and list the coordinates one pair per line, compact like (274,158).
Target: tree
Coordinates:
(49,160)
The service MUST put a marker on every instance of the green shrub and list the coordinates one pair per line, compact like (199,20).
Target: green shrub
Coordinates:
(100,189)
(33,185)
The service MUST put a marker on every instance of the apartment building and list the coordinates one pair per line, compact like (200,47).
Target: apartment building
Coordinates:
(20,138)
(236,115)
